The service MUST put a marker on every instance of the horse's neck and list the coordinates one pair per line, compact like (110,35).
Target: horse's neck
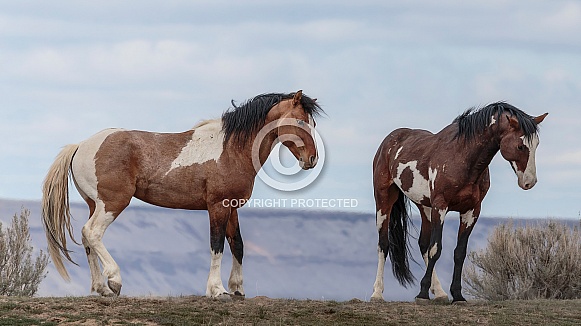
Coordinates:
(251,158)
(478,154)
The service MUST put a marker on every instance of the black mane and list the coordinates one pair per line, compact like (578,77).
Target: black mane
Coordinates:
(474,121)
(244,120)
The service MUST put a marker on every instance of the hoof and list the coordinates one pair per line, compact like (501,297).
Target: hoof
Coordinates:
(422,301)
(441,299)
(460,303)
(237,296)
(103,290)
(376,299)
(224,297)
(108,294)
(115,287)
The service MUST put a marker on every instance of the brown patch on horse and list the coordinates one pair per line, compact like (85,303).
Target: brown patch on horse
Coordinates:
(407,178)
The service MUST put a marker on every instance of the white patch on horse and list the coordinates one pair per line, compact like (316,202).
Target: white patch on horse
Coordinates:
(312,123)
(420,188)
(530,173)
(83,165)
(492,121)
(215,287)
(528,177)
(432,174)
(379,219)
(397,153)
(433,250)
(468,218)
(442,214)
(205,145)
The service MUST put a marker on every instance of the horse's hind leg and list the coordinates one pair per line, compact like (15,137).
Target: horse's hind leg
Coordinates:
(97,283)
(93,232)
(424,242)
(385,198)
(237,248)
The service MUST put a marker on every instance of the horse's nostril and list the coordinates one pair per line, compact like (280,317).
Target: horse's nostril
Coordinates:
(312,159)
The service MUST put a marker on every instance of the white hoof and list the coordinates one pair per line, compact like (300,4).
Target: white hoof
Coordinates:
(224,297)
(377,297)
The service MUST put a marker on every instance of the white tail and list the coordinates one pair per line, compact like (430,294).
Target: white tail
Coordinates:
(56,215)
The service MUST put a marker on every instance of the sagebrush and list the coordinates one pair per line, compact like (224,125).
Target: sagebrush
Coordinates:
(534,261)
(19,275)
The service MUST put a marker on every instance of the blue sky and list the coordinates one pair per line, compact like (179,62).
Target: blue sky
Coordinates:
(69,69)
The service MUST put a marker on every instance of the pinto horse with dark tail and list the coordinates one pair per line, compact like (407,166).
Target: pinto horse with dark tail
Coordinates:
(442,172)
(199,169)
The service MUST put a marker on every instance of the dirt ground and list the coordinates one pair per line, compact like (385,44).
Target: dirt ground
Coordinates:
(195,310)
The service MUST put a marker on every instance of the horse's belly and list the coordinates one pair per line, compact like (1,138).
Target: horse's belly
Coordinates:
(173,199)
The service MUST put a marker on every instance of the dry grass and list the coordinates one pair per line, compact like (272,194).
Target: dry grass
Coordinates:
(194,310)
(534,261)
(20,275)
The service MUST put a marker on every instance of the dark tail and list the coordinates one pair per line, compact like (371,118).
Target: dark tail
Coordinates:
(399,250)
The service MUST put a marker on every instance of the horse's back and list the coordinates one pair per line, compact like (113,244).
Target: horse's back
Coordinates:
(394,147)
(118,156)
(400,138)
(164,169)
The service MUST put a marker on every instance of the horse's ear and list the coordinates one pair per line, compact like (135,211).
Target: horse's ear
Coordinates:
(513,122)
(297,97)
(540,118)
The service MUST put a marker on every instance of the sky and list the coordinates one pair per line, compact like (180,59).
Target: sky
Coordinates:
(69,69)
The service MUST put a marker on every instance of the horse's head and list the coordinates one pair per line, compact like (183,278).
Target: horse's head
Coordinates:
(295,129)
(518,146)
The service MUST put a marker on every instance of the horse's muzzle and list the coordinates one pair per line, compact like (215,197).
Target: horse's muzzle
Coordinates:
(312,161)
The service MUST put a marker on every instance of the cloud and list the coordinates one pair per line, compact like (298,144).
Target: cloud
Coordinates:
(69,70)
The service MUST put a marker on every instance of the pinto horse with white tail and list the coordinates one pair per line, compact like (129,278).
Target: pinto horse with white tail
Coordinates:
(442,172)
(199,169)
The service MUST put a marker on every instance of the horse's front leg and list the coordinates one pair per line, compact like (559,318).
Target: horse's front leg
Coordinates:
(219,215)
(467,221)
(237,248)
(434,251)
(424,243)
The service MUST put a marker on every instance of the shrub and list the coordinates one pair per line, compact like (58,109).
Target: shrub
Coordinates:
(19,276)
(528,262)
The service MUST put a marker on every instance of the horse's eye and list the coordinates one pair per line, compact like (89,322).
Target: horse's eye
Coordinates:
(300,122)
(520,147)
